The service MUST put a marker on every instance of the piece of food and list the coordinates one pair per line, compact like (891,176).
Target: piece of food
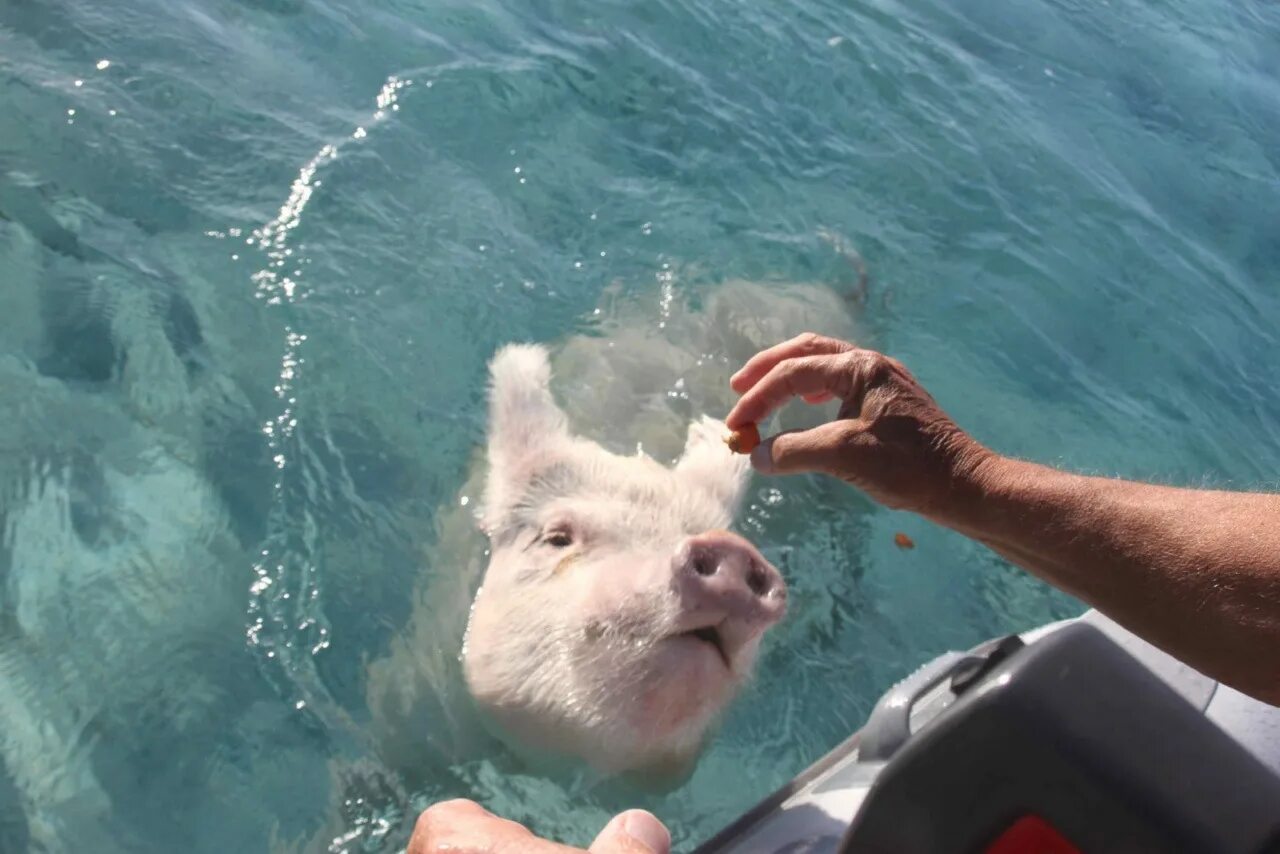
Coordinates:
(902,541)
(744,440)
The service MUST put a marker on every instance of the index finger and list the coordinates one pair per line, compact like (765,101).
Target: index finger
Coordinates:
(802,376)
(807,344)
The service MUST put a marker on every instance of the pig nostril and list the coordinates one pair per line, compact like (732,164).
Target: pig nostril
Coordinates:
(703,565)
(757,580)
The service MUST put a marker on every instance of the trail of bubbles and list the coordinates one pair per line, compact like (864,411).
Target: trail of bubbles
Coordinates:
(286,622)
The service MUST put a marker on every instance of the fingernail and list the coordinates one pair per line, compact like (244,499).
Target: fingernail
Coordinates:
(762,457)
(643,827)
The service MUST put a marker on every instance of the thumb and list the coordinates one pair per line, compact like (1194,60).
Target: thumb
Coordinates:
(796,451)
(633,832)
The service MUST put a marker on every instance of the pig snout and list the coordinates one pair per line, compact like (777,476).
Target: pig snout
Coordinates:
(722,578)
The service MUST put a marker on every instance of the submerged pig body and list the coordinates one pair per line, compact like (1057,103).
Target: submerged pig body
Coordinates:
(617,616)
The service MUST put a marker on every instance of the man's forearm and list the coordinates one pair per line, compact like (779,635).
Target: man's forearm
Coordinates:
(1194,572)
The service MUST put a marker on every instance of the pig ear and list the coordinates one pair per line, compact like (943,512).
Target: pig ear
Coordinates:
(708,463)
(524,424)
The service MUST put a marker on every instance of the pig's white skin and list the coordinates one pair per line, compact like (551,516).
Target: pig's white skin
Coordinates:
(526,659)
(575,649)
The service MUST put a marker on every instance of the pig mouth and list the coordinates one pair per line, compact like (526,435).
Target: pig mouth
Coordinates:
(710,635)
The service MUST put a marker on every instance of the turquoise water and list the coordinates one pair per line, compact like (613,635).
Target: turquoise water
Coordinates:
(255,254)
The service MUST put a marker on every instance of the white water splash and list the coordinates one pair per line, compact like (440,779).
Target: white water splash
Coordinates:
(286,621)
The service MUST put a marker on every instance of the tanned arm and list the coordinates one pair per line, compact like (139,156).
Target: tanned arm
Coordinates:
(1195,572)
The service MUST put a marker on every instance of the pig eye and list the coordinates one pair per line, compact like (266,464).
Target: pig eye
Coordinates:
(559,539)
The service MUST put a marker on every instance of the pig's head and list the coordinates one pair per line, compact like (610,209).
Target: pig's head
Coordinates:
(617,616)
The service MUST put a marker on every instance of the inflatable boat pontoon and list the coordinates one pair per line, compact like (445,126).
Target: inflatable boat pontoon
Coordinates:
(1074,738)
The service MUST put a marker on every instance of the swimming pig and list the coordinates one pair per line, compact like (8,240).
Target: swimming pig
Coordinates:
(548,652)
(617,615)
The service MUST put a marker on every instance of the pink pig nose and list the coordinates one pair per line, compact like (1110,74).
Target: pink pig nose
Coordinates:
(720,571)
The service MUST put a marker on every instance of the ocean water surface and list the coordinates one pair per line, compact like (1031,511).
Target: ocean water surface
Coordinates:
(254,255)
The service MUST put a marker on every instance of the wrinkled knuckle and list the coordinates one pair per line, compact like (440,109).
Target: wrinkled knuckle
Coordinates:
(849,442)
(790,378)
(843,368)
(815,344)
(809,341)
(879,368)
(792,368)
(861,362)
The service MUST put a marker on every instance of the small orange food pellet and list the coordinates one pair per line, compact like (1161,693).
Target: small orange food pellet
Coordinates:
(744,440)
(902,541)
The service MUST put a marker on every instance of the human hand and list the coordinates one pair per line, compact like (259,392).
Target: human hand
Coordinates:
(890,438)
(465,827)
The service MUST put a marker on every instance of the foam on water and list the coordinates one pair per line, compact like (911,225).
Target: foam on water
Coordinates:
(255,254)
